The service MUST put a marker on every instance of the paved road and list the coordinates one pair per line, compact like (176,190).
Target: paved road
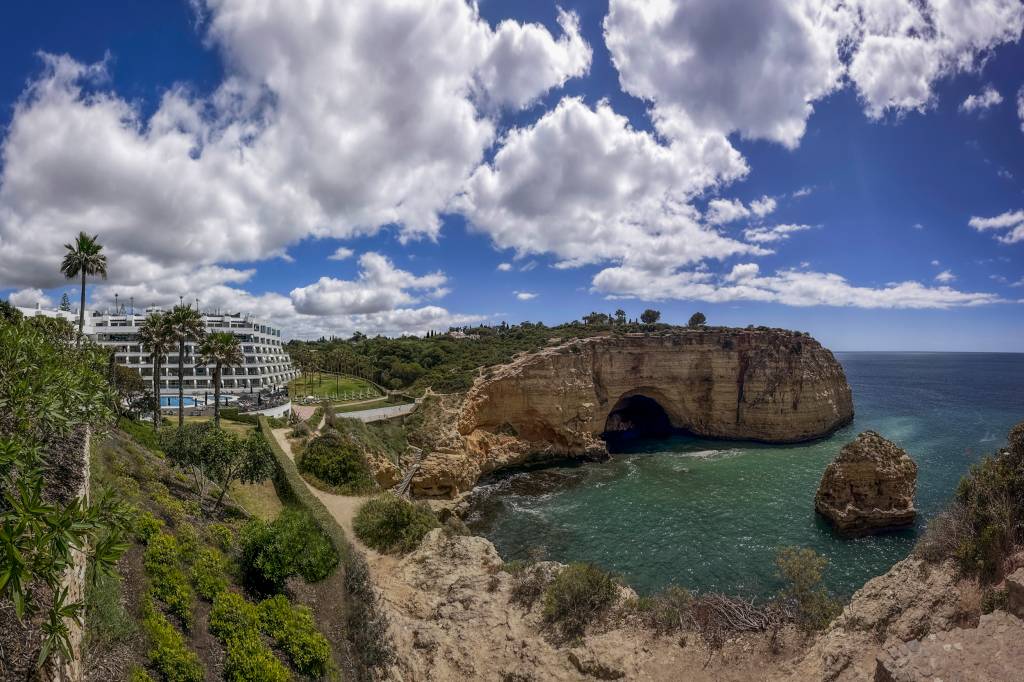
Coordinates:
(379,413)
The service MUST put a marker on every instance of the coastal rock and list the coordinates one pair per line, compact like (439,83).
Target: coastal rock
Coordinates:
(1015,592)
(869,487)
(990,652)
(765,385)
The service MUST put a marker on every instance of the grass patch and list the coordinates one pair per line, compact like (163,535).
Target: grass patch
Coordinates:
(259,499)
(107,621)
(323,385)
(391,524)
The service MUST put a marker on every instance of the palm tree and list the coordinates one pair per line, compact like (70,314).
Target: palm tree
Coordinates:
(186,324)
(84,257)
(157,339)
(220,349)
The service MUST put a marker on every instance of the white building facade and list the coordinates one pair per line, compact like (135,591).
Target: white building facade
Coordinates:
(266,367)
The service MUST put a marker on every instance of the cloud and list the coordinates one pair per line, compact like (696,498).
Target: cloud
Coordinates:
(341,253)
(1011,221)
(380,286)
(724,211)
(525,295)
(906,45)
(987,98)
(935,263)
(918,226)
(945,277)
(757,67)
(504,267)
(30,298)
(311,91)
(802,192)
(582,184)
(788,287)
(752,66)
(1020,106)
(776,233)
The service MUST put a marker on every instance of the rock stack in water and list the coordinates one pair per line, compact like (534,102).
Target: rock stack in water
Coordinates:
(869,487)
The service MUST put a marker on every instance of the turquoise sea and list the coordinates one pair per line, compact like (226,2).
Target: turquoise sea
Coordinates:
(709,515)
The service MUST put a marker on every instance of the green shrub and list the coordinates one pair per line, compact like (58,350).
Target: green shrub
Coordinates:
(233,614)
(986,521)
(579,595)
(188,539)
(291,545)
(139,675)
(338,461)
(162,560)
(992,599)
(667,611)
(208,573)
(222,535)
(391,524)
(233,415)
(168,653)
(250,660)
(801,570)
(146,526)
(301,430)
(141,432)
(294,630)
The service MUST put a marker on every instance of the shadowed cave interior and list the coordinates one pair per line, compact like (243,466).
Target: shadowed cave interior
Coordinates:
(635,418)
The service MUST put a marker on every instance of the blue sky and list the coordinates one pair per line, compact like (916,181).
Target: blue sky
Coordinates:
(609,156)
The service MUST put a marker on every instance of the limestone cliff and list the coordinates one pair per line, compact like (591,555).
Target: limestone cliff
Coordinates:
(765,385)
(869,487)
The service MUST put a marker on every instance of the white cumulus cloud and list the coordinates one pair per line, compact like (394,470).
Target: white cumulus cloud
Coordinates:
(1010,224)
(30,298)
(774,233)
(525,295)
(986,99)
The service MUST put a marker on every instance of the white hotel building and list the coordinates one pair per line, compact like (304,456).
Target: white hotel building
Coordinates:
(267,366)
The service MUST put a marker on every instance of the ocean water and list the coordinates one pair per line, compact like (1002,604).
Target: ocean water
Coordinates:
(710,515)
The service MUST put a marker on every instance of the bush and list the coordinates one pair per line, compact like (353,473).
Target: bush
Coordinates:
(801,569)
(188,539)
(233,614)
(222,535)
(168,653)
(338,461)
(208,573)
(233,415)
(579,595)
(294,630)
(391,524)
(291,545)
(139,675)
(301,430)
(528,583)
(250,660)
(669,610)
(985,522)
(162,560)
(146,526)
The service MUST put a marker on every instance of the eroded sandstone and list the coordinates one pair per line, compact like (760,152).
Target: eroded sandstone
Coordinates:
(764,385)
(869,487)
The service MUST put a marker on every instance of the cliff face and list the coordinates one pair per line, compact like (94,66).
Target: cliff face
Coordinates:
(765,385)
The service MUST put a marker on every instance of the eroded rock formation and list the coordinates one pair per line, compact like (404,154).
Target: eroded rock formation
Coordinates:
(869,487)
(765,385)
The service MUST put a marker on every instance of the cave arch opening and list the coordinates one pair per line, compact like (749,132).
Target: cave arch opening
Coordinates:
(636,417)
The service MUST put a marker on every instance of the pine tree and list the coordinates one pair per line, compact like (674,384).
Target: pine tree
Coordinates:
(65,303)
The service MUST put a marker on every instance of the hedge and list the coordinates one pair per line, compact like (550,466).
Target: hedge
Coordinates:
(364,612)
(232,414)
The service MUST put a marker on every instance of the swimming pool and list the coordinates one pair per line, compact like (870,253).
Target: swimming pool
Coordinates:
(172,400)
